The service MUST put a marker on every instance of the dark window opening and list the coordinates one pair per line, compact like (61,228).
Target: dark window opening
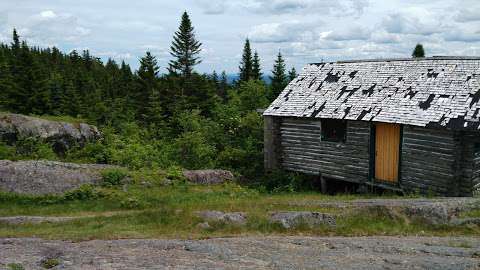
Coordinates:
(334,130)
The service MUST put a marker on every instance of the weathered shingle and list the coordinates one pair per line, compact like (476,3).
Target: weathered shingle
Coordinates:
(438,91)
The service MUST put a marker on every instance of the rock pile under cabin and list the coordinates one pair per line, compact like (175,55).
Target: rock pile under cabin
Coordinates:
(403,124)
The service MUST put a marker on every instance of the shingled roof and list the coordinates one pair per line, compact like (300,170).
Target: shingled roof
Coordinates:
(436,91)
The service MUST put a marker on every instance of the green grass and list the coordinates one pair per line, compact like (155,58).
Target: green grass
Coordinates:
(169,212)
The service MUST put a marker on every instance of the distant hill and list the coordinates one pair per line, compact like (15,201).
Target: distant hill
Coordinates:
(234,77)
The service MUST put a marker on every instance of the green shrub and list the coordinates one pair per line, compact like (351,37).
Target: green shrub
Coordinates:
(50,263)
(33,148)
(7,151)
(85,192)
(130,203)
(175,173)
(113,177)
(15,266)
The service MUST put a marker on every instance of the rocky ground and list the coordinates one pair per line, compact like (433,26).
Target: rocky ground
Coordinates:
(248,253)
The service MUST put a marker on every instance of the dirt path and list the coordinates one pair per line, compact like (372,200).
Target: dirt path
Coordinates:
(249,253)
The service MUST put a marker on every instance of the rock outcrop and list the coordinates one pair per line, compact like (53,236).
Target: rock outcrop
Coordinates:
(63,135)
(292,219)
(237,218)
(47,177)
(206,177)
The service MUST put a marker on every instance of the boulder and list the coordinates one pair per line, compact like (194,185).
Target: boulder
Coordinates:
(63,135)
(208,176)
(237,218)
(292,219)
(47,177)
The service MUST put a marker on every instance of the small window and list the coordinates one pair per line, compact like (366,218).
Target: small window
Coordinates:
(334,130)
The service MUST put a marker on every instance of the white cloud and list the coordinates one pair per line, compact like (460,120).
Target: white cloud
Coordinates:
(468,15)
(285,32)
(48,28)
(407,23)
(338,7)
(214,7)
(352,33)
(48,14)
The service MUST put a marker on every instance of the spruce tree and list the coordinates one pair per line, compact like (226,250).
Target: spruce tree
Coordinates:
(147,95)
(256,68)
(418,51)
(246,65)
(15,43)
(279,78)
(8,86)
(215,78)
(292,74)
(185,49)
(223,86)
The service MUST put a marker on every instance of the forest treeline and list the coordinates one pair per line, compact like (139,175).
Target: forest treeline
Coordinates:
(181,118)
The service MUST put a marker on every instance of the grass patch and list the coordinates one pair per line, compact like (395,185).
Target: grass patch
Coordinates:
(146,207)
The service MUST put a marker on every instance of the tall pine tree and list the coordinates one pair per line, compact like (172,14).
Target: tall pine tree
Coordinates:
(418,51)
(279,78)
(147,95)
(185,49)
(256,67)
(246,66)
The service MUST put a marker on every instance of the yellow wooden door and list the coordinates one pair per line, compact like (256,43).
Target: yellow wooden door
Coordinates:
(387,152)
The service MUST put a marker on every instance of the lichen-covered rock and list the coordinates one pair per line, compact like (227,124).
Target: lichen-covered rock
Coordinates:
(237,218)
(311,219)
(47,177)
(208,176)
(63,135)
(16,220)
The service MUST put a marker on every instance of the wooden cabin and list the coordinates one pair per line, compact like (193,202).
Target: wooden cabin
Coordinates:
(402,124)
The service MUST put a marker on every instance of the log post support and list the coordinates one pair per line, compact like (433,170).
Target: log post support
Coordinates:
(323,184)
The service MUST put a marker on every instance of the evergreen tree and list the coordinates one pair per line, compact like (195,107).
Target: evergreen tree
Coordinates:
(279,78)
(256,68)
(147,87)
(246,65)
(223,86)
(15,43)
(185,49)
(292,74)
(418,51)
(8,86)
(70,104)
(215,78)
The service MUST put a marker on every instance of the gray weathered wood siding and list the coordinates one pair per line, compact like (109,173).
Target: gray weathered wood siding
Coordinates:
(428,160)
(470,163)
(303,150)
(476,173)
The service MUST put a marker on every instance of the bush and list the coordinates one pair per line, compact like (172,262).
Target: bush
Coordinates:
(85,192)
(32,148)
(130,203)
(50,263)
(7,152)
(113,177)
(15,266)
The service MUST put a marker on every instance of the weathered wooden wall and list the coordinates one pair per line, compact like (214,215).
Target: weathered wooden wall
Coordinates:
(440,161)
(470,162)
(428,160)
(303,150)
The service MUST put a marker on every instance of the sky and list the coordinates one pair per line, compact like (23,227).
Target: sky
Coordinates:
(305,31)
